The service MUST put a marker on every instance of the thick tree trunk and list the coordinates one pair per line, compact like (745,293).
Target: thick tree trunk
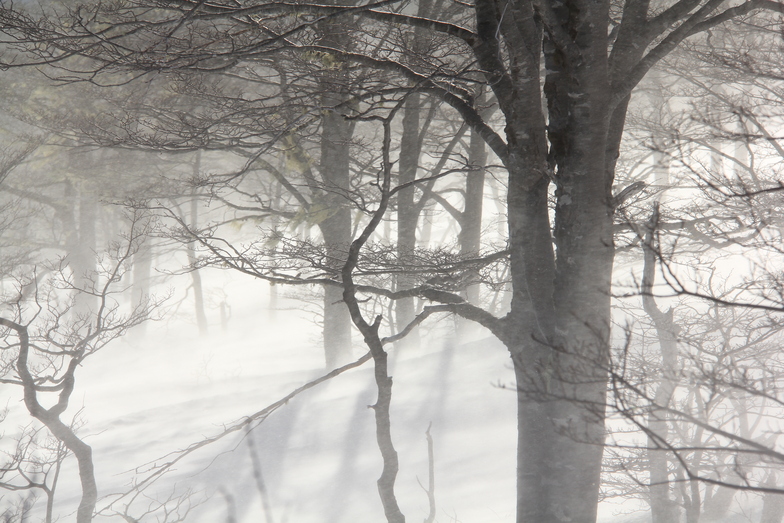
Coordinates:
(532,325)
(559,325)
(584,242)
(772,503)
(336,231)
(332,198)
(407,215)
(560,361)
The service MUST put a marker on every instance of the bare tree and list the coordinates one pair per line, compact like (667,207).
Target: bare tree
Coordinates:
(562,75)
(45,343)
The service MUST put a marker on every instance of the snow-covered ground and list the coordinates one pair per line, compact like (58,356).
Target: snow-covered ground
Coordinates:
(148,395)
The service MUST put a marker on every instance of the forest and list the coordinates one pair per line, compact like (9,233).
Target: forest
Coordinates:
(345,261)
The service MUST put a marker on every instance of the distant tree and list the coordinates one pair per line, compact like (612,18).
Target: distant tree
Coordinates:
(713,384)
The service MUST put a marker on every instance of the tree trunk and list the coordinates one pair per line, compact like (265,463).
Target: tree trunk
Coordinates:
(471,224)
(332,198)
(198,293)
(51,418)
(336,231)
(84,458)
(142,269)
(407,215)
(772,504)
(84,260)
(78,222)
(558,329)
(663,509)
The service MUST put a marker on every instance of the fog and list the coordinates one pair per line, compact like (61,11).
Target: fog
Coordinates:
(148,396)
(353,262)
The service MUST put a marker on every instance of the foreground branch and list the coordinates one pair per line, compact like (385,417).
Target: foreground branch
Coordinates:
(386,483)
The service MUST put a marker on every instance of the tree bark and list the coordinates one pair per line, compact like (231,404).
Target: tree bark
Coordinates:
(78,222)
(663,508)
(558,328)
(381,409)
(407,215)
(336,228)
(772,504)
(142,270)
(198,292)
(471,223)
(51,418)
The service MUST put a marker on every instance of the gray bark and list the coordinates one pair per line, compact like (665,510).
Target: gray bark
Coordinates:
(336,134)
(557,330)
(772,503)
(142,271)
(407,214)
(381,409)
(198,292)
(663,508)
(78,221)
(336,228)
(51,418)
(471,223)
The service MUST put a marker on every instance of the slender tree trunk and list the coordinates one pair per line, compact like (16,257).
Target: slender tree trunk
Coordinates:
(78,221)
(426,224)
(142,270)
(84,259)
(84,458)
(663,509)
(471,224)
(386,482)
(62,452)
(198,293)
(272,310)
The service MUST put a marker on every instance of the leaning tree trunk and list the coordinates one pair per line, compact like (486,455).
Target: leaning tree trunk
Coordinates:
(51,417)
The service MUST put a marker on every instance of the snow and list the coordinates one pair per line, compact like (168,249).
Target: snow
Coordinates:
(158,391)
